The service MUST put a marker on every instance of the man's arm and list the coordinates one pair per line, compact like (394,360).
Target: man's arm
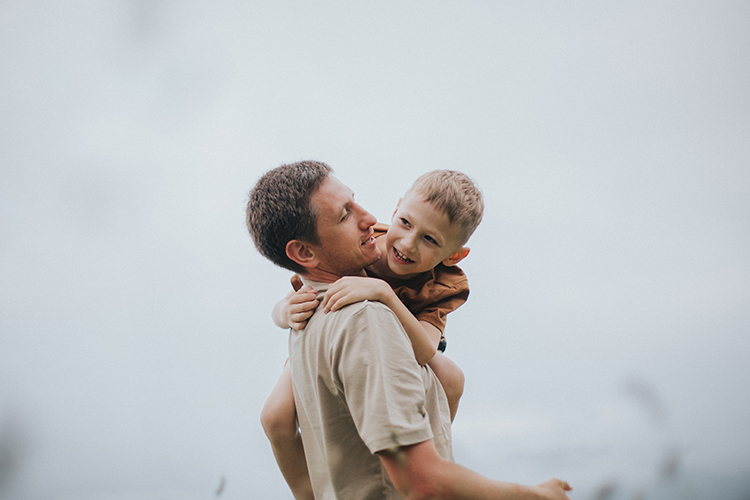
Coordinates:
(419,473)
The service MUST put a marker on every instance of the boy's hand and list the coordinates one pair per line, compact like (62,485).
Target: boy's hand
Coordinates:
(350,289)
(300,306)
(554,489)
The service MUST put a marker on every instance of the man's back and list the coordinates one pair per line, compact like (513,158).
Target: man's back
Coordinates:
(358,391)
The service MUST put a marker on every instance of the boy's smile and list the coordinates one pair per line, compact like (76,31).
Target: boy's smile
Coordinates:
(401,257)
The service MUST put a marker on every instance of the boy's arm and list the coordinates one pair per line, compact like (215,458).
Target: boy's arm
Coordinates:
(424,337)
(279,312)
(418,472)
(295,309)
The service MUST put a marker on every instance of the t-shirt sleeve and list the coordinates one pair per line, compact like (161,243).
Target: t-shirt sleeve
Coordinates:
(381,381)
(296,282)
(449,291)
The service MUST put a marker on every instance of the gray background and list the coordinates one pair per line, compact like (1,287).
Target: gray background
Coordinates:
(606,337)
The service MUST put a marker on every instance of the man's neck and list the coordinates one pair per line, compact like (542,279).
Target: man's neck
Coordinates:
(323,276)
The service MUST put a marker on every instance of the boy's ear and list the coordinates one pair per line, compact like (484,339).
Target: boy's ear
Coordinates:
(396,210)
(301,253)
(457,257)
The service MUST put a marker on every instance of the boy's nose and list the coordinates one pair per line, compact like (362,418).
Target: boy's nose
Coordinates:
(409,243)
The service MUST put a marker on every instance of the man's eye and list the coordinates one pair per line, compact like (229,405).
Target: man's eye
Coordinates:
(346,216)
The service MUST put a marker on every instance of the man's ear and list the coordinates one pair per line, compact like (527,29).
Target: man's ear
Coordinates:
(396,210)
(457,257)
(301,253)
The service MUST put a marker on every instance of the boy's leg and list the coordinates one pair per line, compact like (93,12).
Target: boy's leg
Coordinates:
(279,419)
(451,377)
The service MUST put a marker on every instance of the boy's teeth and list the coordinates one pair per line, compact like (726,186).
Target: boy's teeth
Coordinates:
(401,256)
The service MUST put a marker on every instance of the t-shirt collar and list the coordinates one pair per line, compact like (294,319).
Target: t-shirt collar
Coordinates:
(319,286)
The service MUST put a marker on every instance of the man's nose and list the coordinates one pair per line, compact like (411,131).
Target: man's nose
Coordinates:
(366,218)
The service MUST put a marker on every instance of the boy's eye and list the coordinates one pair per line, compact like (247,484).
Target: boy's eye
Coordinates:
(405,222)
(431,240)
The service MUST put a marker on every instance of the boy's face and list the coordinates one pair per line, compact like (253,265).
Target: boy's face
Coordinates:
(419,238)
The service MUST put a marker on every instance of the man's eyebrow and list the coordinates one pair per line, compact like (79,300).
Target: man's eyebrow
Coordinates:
(350,200)
(345,207)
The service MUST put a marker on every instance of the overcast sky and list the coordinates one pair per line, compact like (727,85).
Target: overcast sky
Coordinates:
(608,328)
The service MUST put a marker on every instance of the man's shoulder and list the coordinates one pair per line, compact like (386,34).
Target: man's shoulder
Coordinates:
(365,308)
(362,328)
(361,316)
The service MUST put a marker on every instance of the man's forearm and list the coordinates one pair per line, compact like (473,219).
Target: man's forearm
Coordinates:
(461,483)
(419,474)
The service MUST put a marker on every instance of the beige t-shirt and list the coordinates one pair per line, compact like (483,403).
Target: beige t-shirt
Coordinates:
(358,391)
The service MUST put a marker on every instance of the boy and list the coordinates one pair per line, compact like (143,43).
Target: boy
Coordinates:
(418,281)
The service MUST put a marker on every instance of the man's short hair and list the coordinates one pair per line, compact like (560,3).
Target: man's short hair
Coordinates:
(279,210)
(456,195)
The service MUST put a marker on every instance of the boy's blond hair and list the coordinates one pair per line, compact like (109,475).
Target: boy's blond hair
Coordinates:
(456,195)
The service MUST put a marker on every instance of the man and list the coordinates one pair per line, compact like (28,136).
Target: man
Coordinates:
(375,424)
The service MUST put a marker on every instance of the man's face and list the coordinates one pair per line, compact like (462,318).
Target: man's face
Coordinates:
(346,243)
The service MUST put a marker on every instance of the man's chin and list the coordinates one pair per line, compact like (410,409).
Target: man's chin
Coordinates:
(351,264)
(374,259)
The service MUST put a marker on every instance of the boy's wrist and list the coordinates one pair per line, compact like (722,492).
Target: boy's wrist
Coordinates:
(386,295)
